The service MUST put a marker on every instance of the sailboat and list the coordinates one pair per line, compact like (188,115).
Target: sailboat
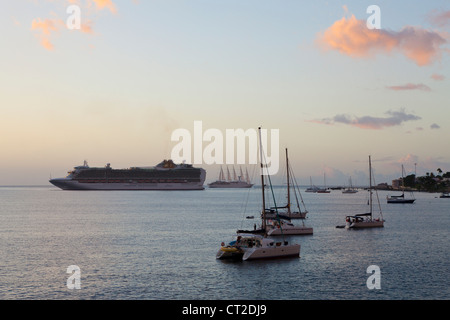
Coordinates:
(323,190)
(282,225)
(257,246)
(350,189)
(365,220)
(312,188)
(401,198)
(289,214)
(236,182)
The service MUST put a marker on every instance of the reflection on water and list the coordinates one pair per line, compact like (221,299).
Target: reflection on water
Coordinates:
(162,245)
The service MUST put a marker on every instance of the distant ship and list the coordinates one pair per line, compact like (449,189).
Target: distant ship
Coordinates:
(165,176)
(237,182)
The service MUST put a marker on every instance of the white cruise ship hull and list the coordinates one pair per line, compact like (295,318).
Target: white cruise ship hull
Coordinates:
(69,184)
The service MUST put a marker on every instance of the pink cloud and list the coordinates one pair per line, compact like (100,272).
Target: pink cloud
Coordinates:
(87,27)
(410,86)
(102,4)
(44,29)
(437,77)
(440,19)
(351,37)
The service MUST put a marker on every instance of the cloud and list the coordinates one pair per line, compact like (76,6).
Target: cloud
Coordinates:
(437,77)
(435,126)
(44,29)
(87,27)
(394,118)
(439,19)
(105,4)
(351,37)
(409,86)
(409,158)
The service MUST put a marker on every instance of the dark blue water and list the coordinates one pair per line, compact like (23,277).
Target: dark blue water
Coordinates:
(162,245)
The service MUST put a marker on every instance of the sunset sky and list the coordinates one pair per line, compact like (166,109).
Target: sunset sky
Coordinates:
(114,90)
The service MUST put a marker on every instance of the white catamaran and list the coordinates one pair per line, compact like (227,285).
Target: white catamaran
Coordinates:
(258,246)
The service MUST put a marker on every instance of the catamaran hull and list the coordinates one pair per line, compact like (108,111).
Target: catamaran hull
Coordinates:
(281,251)
(69,184)
(288,231)
(224,254)
(296,215)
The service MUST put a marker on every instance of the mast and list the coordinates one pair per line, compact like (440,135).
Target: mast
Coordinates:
(370,187)
(262,183)
(221,175)
(403,182)
(288,189)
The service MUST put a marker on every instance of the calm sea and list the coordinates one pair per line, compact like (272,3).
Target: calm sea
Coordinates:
(162,245)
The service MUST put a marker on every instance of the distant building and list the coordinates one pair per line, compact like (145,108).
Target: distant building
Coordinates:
(382,186)
(396,183)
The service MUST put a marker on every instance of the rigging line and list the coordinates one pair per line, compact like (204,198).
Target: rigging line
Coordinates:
(296,198)
(252,175)
(273,195)
(298,189)
(245,205)
(281,190)
(376,192)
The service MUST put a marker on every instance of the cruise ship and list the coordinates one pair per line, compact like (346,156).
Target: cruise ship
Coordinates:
(165,176)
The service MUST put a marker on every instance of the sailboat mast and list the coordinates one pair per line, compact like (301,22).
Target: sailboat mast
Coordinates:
(370,186)
(262,182)
(288,189)
(403,181)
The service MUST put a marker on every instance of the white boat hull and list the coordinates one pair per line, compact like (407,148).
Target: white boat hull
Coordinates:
(270,252)
(290,231)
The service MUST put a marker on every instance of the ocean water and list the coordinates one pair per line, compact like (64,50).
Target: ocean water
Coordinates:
(161,245)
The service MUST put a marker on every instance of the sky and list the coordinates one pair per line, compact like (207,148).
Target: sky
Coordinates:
(114,89)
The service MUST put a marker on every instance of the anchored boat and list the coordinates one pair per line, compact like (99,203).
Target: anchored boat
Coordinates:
(254,245)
